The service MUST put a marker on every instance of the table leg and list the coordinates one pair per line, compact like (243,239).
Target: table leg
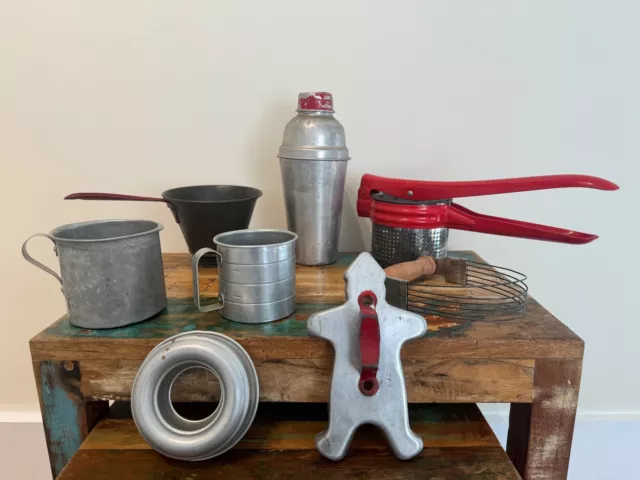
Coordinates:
(67,418)
(540,433)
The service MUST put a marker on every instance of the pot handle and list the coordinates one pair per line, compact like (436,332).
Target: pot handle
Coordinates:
(196,283)
(33,261)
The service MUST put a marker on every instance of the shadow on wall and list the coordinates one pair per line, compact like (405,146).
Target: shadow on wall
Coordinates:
(355,233)
(264,167)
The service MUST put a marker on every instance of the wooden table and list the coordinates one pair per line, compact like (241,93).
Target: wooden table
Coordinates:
(532,362)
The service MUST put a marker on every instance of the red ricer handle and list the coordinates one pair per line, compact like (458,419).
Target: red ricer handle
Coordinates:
(425,191)
(462,218)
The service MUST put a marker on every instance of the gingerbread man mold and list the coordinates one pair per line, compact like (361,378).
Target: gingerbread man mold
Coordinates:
(368,383)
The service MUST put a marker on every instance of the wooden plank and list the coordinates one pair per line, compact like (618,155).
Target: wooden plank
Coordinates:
(459,444)
(283,348)
(308,380)
(329,277)
(67,418)
(479,463)
(294,436)
(540,434)
(294,427)
(523,337)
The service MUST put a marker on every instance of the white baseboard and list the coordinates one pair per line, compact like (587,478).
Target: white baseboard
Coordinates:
(603,443)
(20,413)
(28,416)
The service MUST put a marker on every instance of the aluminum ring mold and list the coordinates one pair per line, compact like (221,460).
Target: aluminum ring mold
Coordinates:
(194,440)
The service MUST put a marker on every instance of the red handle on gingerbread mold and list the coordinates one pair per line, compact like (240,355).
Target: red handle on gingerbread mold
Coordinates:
(426,191)
(369,343)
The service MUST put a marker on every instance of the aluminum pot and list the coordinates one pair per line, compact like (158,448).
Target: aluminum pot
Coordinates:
(256,275)
(111,271)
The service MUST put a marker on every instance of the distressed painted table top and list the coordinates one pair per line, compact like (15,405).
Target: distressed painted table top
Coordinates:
(535,334)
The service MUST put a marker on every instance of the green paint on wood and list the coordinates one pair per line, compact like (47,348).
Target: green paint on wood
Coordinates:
(344,259)
(60,414)
(181,316)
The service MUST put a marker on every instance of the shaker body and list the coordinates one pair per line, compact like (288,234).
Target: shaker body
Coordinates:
(313,193)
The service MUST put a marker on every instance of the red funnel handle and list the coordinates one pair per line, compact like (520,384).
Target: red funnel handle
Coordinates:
(424,191)
(111,196)
(119,196)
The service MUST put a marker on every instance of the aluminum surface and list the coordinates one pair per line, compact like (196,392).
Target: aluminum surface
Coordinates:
(257,293)
(253,274)
(259,312)
(175,436)
(349,408)
(313,165)
(252,293)
(314,134)
(256,247)
(111,271)
(313,198)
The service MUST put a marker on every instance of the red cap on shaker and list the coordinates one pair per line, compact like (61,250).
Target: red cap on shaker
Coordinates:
(322,101)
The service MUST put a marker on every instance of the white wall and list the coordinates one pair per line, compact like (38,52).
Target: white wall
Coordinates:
(139,96)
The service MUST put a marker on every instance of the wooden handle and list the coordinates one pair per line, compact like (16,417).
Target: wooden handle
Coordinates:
(410,271)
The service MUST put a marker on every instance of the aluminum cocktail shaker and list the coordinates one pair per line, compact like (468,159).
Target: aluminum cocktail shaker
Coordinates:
(313,163)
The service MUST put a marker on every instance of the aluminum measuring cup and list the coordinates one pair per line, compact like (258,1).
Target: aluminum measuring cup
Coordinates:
(256,274)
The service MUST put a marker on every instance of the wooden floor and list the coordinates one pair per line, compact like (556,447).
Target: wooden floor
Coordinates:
(459,444)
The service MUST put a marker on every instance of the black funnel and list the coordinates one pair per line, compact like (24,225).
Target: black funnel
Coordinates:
(204,211)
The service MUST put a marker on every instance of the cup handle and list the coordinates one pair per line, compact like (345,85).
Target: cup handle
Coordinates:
(195,261)
(33,261)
